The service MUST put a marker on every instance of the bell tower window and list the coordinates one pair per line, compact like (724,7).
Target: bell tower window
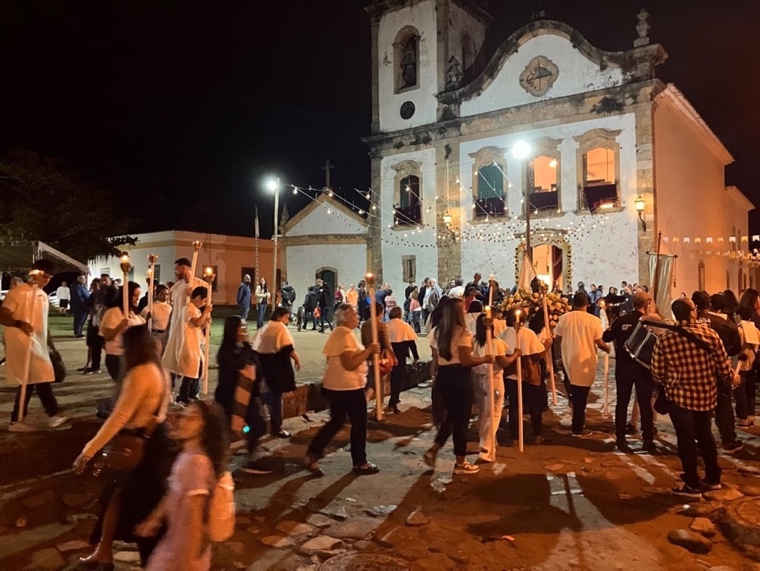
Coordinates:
(407,59)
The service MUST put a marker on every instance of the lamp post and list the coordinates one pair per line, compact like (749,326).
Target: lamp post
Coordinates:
(640,205)
(274,186)
(520,150)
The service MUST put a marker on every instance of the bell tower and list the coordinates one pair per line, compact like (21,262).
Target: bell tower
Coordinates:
(421,48)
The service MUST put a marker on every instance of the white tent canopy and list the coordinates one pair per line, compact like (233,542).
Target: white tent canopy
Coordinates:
(17,256)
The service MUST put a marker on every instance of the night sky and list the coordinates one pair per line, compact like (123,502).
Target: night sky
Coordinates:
(182,108)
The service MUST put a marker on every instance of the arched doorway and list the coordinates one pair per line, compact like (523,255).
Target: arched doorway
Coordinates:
(329,276)
(552,259)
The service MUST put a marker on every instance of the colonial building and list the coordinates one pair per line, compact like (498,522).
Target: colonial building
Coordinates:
(231,257)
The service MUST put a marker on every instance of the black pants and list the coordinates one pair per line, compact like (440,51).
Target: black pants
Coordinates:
(398,378)
(455,386)
(254,418)
(533,401)
(190,387)
(80,316)
(324,315)
(694,433)
(306,315)
(724,415)
(579,399)
(44,391)
(96,343)
(625,379)
(113,366)
(745,396)
(344,403)
(749,388)
(274,400)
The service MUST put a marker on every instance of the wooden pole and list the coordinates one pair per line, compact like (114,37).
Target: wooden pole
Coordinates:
(520,438)
(209,276)
(549,353)
(606,411)
(370,279)
(491,388)
(125,267)
(196,248)
(152,259)
(28,363)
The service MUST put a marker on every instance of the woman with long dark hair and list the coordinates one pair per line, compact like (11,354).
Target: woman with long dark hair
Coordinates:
(731,302)
(262,300)
(114,323)
(452,347)
(235,357)
(201,430)
(129,496)
(751,298)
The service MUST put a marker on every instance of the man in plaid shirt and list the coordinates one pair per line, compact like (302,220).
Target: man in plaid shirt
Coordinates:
(690,376)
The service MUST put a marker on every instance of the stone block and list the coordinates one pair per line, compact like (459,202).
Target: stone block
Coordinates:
(689,540)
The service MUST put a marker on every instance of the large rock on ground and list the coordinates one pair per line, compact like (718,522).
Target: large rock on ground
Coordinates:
(724,495)
(46,559)
(320,544)
(294,528)
(740,523)
(703,526)
(357,527)
(690,541)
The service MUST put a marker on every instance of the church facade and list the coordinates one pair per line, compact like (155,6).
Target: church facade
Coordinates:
(580,154)
(601,131)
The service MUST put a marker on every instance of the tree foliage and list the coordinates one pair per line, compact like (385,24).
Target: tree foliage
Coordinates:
(40,200)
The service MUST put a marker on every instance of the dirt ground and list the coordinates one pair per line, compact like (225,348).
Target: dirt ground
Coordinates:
(569,503)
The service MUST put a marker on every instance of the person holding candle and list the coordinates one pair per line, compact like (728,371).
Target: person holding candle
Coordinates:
(162,311)
(186,360)
(113,325)
(489,407)
(453,359)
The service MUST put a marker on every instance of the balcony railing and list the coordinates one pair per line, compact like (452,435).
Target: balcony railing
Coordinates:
(544,200)
(407,216)
(490,207)
(596,194)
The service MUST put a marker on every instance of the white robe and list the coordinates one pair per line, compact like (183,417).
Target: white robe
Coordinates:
(183,349)
(30,304)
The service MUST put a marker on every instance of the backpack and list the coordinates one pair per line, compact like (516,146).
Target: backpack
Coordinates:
(220,524)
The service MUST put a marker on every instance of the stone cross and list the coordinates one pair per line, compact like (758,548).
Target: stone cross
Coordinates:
(327,168)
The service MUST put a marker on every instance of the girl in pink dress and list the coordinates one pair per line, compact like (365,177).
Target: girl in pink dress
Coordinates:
(185,547)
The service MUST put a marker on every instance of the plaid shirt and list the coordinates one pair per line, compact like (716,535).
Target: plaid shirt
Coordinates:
(691,374)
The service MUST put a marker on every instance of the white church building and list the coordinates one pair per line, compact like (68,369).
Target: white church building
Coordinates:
(468,149)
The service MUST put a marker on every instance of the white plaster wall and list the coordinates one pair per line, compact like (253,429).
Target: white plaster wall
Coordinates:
(422,16)
(320,223)
(577,74)
(350,261)
(397,243)
(692,202)
(607,253)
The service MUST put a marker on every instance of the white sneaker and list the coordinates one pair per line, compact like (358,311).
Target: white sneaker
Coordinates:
(21,427)
(58,421)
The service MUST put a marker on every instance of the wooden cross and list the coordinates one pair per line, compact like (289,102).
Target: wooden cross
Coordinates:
(327,168)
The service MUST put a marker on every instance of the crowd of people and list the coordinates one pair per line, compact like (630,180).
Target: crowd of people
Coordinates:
(482,360)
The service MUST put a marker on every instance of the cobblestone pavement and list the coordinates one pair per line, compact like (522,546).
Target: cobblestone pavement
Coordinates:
(566,504)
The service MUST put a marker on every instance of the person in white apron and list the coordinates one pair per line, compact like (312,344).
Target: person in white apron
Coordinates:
(25,316)
(184,353)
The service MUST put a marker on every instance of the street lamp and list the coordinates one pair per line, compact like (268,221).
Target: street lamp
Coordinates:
(274,186)
(640,205)
(520,150)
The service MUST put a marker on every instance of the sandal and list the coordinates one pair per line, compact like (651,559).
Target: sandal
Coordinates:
(367,469)
(312,465)
(429,458)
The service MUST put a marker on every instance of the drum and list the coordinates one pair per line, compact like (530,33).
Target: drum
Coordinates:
(640,345)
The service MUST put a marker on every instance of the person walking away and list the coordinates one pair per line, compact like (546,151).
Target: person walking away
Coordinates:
(525,342)
(159,320)
(243,297)
(287,297)
(79,296)
(630,374)
(114,324)
(186,360)
(91,333)
(63,293)
(262,300)
(343,381)
(416,310)
(129,496)
(690,365)
(710,313)
(403,342)
(452,348)
(580,334)
(275,349)
(745,397)
(489,414)
(25,316)
(325,304)
(203,461)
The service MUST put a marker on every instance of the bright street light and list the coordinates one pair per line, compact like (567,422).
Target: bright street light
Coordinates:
(272,184)
(520,150)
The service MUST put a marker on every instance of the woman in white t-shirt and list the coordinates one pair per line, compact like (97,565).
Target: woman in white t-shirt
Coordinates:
(343,383)
(451,343)
(489,418)
(114,323)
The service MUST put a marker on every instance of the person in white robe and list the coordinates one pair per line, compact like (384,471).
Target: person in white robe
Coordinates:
(28,366)
(403,341)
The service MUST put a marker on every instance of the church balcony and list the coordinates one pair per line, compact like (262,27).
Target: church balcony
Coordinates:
(407,216)
(489,208)
(599,196)
(544,201)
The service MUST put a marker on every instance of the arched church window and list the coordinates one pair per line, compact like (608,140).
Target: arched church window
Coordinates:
(598,170)
(408,55)
(490,200)
(408,211)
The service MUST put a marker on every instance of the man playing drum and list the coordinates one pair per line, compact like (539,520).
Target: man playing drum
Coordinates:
(630,373)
